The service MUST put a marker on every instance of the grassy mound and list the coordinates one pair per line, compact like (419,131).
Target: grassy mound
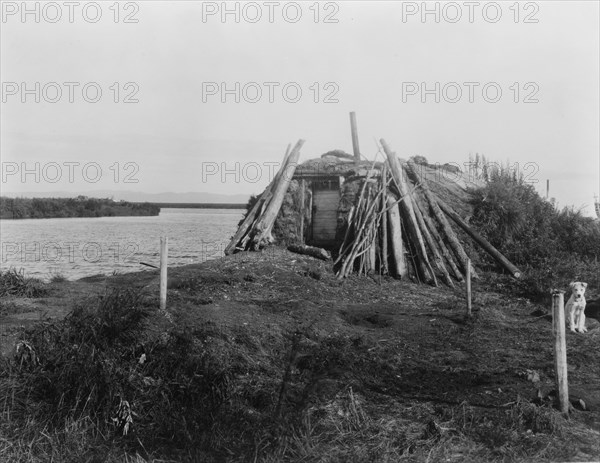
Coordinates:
(551,246)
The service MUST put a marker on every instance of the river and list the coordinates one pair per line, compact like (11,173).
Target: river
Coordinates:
(79,247)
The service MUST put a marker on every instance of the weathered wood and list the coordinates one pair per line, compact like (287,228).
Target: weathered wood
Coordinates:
(302,210)
(355,247)
(408,214)
(422,203)
(427,238)
(366,219)
(264,225)
(560,350)
(356,219)
(309,210)
(491,250)
(451,237)
(468,285)
(346,234)
(253,214)
(269,197)
(164,255)
(372,261)
(431,243)
(396,238)
(354,131)
(383,264)
(312,251)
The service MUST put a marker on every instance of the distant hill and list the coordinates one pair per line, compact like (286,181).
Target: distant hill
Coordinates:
(139,197)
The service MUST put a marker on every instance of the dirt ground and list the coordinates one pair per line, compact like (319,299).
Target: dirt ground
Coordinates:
(410,345)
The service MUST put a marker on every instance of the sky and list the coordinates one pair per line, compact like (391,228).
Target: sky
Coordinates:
(187,96)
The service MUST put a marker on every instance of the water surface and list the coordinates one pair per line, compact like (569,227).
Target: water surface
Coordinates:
(78,247)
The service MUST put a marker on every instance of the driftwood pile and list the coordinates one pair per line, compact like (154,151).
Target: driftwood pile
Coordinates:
(397,226)
(398,216)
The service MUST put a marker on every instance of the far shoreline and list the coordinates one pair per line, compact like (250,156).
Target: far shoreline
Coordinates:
(123,209)
(200,205)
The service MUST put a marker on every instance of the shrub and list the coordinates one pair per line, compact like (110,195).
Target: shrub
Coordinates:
(527,229)
(551,246)
(419,160)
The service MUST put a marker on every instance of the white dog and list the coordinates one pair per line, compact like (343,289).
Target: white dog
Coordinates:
(575,307)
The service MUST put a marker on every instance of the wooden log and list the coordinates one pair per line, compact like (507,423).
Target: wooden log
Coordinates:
(427,238)
(253,214)
(354,131)
(408,214)
(560,351)
(383,264)
(309,209)
(491,250)
(268,195)
(437,256)
(396,238)
(312,251)
(438,238)
(264,225)
(354,249)
(355,223)
(372,262)
(468,285)
(302,188)
(451,237)
(366,219)
(164,255)
(346,234)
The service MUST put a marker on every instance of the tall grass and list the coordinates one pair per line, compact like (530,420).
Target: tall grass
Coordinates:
(13,282)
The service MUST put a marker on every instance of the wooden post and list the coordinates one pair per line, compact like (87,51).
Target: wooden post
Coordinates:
(302,209)
(310,213)
(468,279)
(354,131)
(383,265)
(560,351)
(164,253)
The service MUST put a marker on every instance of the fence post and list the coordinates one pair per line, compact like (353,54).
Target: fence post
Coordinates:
(164,252)
(560,351)
(468,278)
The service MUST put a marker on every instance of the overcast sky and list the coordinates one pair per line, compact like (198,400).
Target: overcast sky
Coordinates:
(181,66)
